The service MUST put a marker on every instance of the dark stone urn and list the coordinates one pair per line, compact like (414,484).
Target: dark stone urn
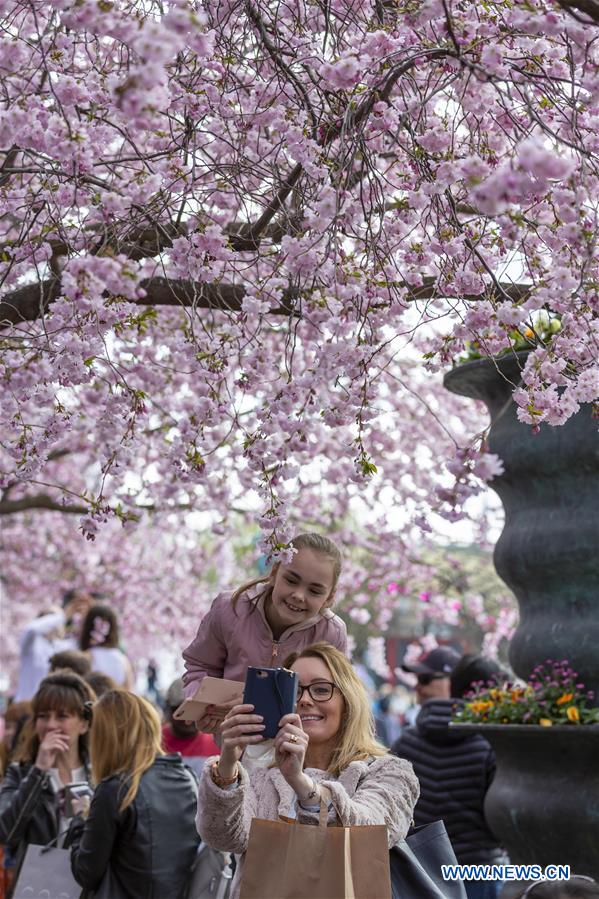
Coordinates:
(544,802)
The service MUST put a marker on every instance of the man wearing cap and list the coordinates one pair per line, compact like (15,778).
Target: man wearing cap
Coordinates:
(179,736)
(454,769)
(433,671)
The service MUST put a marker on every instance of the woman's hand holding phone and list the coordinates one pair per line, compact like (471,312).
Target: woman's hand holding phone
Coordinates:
(239,729)
(290,750)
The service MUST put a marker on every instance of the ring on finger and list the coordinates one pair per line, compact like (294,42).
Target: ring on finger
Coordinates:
(293,738)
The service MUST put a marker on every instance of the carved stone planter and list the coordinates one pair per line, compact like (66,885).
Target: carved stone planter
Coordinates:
(548,552)
(544,802)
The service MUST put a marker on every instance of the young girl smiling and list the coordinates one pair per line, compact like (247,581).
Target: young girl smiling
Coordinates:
(269,617)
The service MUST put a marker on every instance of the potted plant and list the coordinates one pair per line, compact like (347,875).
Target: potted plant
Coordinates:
(542,803)
(553,696)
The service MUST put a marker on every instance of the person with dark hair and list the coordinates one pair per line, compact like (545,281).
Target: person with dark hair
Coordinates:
(73,660)
(52,752)
(15,717)
(578,886)
(100,638)
(100,683)
(182,736)
(472,669)
(50,632)
(455,772)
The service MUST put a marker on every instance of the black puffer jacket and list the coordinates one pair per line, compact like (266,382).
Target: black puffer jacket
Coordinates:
(455,772)
(146,850)
(28,807)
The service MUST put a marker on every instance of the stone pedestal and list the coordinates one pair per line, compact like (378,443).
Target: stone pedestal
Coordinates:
(544,802)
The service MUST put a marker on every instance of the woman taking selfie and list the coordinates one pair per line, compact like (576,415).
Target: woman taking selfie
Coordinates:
(328,741)
(51,753)
(138,840)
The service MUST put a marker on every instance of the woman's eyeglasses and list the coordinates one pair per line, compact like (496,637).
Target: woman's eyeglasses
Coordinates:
(321,691)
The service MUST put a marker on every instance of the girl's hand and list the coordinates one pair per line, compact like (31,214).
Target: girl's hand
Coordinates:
(215,714)
(239,729)
(290,750)
(52,744)
(208,723)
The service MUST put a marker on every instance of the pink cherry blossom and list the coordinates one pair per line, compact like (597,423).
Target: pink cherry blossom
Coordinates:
(240,246)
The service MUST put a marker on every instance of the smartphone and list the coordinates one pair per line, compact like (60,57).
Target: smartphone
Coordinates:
(273,693)
(75,791)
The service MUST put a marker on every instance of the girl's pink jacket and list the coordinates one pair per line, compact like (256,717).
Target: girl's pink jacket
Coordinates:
(228,640)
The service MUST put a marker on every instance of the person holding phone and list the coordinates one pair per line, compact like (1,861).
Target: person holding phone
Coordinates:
(329,740)
(52,753)
(266,619)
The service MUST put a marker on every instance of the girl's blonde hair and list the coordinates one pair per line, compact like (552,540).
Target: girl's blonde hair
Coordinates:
(125,739)
(357,739)
(318,544)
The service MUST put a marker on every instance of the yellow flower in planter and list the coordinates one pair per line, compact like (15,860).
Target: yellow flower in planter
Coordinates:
(552,696)
(567,697)
(479,706)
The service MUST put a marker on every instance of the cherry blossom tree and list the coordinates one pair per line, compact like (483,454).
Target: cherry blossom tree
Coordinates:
(240,242)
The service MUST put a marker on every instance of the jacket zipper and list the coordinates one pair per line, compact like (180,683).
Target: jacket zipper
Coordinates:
(275,651)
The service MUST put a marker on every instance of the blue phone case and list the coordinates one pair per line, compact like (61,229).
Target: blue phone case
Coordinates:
(273,693)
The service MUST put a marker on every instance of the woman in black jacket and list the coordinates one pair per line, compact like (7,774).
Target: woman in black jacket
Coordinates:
(139,839)
(52,752)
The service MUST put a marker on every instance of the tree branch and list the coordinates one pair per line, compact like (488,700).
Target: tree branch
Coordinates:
(30,303)
(11,155)
(40,501)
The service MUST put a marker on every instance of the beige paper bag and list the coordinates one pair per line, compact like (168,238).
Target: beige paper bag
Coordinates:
(288,860)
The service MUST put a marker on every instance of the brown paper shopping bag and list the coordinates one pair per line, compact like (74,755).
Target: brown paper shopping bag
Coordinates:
(288,860)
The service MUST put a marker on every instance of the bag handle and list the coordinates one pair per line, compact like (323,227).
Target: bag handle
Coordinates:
(326,799)
(53,842)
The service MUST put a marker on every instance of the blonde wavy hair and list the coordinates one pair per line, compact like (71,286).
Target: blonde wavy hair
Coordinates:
(125,739)
(318,544)
(357,737)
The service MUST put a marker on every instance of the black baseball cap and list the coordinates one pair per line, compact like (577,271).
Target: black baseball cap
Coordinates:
(441,660)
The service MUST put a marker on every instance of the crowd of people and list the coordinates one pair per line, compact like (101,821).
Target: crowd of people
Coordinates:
(131,791)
